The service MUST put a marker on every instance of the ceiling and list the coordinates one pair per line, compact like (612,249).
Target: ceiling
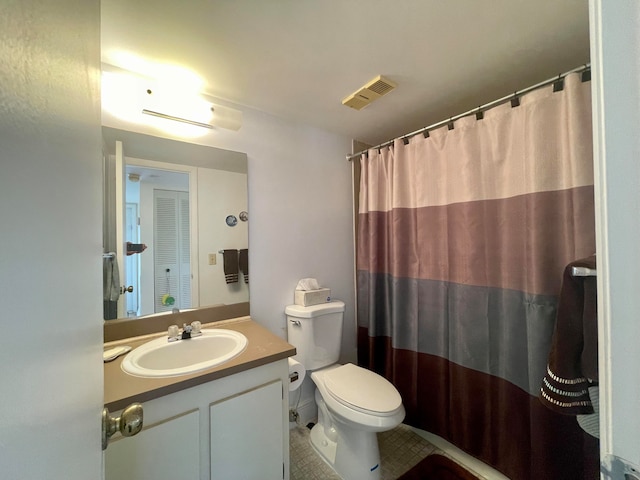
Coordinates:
(297,59)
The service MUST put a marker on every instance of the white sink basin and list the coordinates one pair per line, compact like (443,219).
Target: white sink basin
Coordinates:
(160,358)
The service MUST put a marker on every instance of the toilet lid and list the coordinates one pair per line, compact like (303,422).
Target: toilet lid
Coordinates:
(362,389)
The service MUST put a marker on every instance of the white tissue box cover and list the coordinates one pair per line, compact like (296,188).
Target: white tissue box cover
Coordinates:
(307,298)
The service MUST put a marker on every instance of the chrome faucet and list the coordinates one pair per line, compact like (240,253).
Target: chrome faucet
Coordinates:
(188,331)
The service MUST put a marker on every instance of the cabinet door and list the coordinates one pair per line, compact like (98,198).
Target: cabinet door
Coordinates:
(247,436)
(168,450)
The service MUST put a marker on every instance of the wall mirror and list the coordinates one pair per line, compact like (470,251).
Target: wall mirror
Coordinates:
(175,198)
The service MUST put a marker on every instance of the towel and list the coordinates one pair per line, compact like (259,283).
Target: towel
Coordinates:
(230,261)
(110,286)
(243,263)
(591,423)
(573,361)
(110,278)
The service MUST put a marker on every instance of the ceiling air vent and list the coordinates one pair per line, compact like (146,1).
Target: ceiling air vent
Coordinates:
(373,90)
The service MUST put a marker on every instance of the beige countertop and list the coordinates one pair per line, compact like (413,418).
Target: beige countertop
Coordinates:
(121,389)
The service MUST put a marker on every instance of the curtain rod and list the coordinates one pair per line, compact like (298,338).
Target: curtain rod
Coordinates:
(480,109)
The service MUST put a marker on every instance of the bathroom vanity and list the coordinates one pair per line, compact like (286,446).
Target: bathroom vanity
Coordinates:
(229,421)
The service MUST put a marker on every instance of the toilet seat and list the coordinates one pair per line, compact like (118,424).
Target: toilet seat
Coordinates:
(355,393)
(362,390)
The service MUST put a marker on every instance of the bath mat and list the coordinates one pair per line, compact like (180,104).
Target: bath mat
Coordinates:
(438,467)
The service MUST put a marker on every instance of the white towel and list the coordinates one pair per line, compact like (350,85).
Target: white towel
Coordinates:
(591,423)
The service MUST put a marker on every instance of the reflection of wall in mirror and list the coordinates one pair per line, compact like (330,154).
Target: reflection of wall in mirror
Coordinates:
(220,193)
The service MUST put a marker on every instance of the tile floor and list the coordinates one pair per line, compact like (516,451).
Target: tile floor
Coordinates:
(400,449)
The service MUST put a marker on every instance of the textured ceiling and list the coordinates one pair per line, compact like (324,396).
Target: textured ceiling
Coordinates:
(298,59)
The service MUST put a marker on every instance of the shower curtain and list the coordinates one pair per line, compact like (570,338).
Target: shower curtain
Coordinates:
(462,240)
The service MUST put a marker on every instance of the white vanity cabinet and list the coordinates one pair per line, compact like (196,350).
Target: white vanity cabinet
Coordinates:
(235,427)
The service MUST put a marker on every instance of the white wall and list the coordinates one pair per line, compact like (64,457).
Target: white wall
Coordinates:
(220,194)
(300,220)
(615,46)
(50,240)
(300,217)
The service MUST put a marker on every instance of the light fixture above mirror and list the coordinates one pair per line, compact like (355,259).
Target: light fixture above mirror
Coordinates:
(163,102)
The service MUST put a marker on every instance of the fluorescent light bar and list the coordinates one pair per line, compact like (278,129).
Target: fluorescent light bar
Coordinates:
(177,119)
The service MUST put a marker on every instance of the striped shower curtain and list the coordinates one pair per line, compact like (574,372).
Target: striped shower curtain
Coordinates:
(463,237)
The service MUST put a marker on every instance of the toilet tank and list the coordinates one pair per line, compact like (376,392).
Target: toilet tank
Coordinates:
(316,332)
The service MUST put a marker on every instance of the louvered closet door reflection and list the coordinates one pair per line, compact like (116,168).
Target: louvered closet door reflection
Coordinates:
(171,250)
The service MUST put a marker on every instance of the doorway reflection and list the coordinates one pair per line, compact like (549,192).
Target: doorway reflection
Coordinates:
(158,216)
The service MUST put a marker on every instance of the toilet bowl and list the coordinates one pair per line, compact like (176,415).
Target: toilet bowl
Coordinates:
(353,403)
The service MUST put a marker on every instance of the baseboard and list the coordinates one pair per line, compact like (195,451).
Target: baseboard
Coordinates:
(307,412)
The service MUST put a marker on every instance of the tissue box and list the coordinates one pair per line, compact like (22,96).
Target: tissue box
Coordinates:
(307,298)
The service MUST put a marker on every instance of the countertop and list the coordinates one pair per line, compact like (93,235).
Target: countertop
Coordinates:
(121,389)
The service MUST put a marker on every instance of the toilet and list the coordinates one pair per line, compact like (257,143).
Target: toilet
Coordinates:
(353,403)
